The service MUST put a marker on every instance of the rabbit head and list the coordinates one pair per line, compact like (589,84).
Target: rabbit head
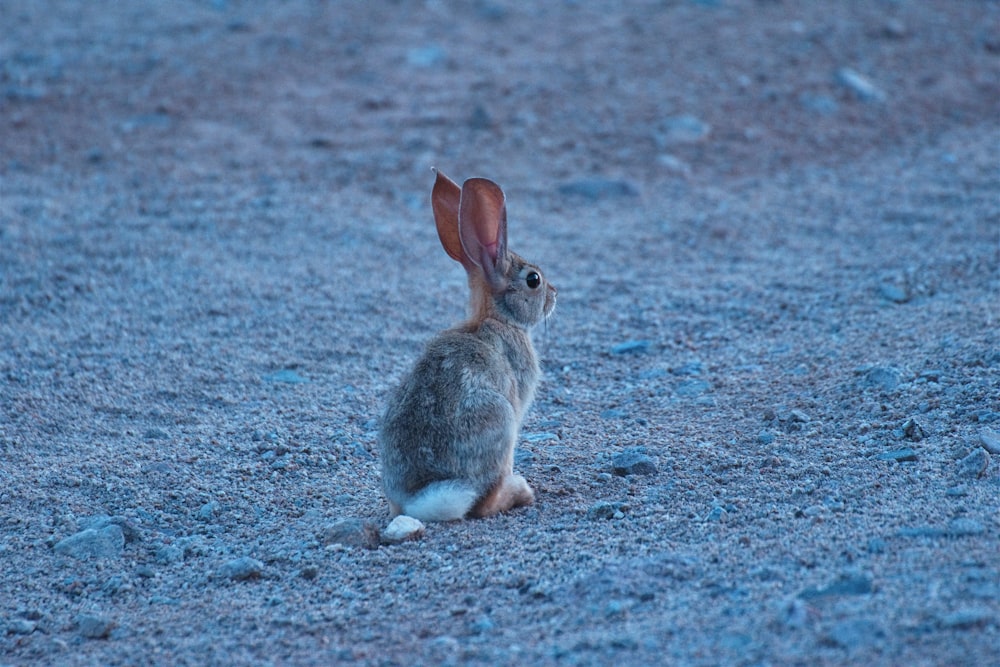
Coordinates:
(472,225)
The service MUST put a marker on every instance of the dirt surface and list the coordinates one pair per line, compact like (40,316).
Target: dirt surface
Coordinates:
(767,433)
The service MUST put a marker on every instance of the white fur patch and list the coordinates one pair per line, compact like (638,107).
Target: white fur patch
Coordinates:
(441,501)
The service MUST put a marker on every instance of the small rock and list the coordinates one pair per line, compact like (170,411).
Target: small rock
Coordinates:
(607,510)
(631,347)
(91,626)
(990,440)
(692,387)
(975,464)
(965,527)
(894,29)
(882,377)
(765,438)
(860,85)
(598,188)
(912,430)
(309,572)
(107,542)
(967,619)
(286,376)
(168,554)
(352,532)
(854,633)
(684,129)
(242,569)
(633,461)
(899,455)
(893,293)
(401,529)
(718,514)
(613,413)
(426,56)
(208,510)
(21,626)
(855,583)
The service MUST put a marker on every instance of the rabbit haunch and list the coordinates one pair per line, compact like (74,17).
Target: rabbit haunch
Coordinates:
(448,434)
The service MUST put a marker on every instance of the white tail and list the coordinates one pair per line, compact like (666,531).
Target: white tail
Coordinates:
(448,500)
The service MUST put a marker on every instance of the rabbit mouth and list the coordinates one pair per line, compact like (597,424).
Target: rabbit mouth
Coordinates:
(550,302)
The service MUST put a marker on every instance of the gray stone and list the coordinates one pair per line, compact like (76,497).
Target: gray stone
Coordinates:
(169,553)
(21,626)
(242,569)
(990,440)
(975,464)
(607,510)
(352,532)
(401,529)
(93,626)
(964,527)
(692,387)
(285,376)
(107,542)
(899,455)
(882,377)
(684,129)
(912,430)
(860,85)
(854,633)
(631,347)
(968,619)
(851,583)
(633,461)
(891,292)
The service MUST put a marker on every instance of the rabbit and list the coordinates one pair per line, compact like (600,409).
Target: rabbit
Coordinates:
(446,440)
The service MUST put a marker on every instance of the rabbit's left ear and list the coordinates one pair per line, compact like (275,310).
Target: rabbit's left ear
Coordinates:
(482,224)
(445,198)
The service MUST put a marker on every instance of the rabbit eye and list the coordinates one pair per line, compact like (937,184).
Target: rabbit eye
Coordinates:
(533,280)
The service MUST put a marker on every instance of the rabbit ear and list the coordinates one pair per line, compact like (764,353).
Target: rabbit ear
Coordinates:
(445,198)
(482,224)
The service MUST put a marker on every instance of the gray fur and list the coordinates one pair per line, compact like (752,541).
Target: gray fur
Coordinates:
(455,418)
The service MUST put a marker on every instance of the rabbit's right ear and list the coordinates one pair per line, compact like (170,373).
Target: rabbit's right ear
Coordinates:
(445,198)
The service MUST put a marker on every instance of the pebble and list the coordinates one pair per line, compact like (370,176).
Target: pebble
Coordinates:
(107,542)
(854,633)
(21,626)
(427,56)
(401,529)
(598,188)
(242,569)
(692,387)
(912,430)
(860,85)
(964,527)
(975,464)
(899,455)
(208,510)
(852,583)
(990,440)
(821,104)
(891,292)
(765,438)
(286,376)
(352,532)
(718,514)
(168,554)
(684,129)
(607,510)
(631,347)
(92,626)
(882,377)
(967,619)
(633,461)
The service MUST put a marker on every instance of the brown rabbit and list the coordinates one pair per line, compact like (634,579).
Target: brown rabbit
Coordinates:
(448,433)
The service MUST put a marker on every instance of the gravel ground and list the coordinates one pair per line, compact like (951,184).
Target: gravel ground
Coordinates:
(769,429)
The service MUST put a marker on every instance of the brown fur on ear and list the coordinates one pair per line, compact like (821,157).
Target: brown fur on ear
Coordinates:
(445,199)
(482,225)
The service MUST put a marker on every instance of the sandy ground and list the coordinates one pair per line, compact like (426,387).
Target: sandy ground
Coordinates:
(775,230)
